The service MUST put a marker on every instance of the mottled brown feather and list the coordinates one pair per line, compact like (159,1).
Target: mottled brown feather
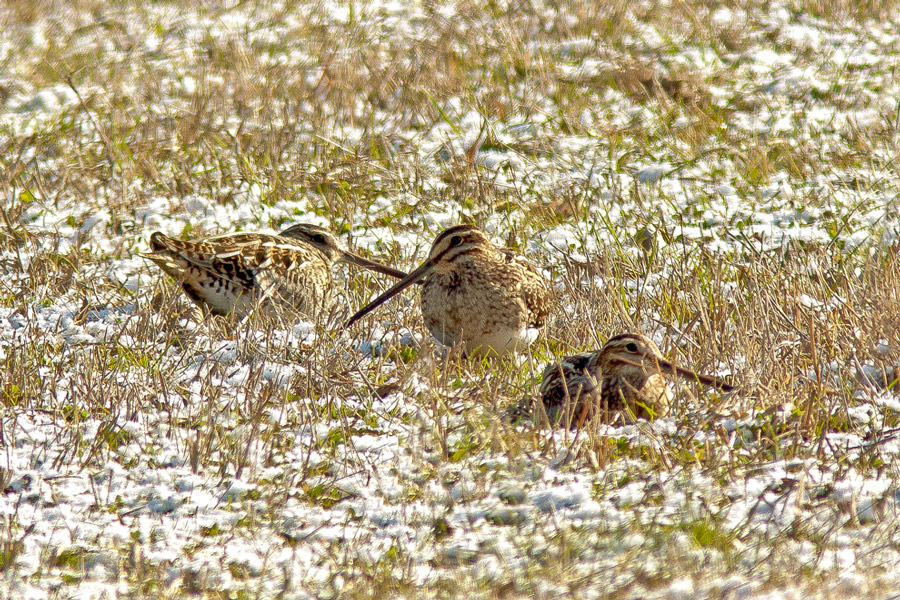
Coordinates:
(476,295)
(231,273)
(624,378)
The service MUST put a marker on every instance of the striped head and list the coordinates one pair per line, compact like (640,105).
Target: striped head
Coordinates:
(326,243)
(630,352)
(632,359)
(317,237)
(448,247)
(454,242)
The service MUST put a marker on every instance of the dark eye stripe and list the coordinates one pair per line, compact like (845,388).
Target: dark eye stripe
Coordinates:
(452,252)
(457,229)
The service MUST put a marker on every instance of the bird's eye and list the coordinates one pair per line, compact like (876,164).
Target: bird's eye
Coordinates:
(319,238)
(632,347)
(455,240)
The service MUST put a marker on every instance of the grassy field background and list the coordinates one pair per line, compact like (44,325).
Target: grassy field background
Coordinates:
(719,175)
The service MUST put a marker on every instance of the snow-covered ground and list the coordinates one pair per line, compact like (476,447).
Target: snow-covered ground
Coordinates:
(722,178)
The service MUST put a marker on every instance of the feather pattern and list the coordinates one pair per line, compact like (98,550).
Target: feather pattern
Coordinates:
(233,273)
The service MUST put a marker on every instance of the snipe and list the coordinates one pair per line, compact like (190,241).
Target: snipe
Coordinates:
(476,295)
(235,273)
(625,377)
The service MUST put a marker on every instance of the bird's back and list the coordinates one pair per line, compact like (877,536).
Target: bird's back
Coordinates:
(231,273)
(567,386)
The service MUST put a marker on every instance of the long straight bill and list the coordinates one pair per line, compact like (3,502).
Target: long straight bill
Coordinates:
(694,376)
(417,275)
(365,263)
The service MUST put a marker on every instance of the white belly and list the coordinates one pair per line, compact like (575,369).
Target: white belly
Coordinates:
(500,342)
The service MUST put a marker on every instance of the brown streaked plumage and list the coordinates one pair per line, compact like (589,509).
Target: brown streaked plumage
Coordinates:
(231,273)
(475,294)
(625,376)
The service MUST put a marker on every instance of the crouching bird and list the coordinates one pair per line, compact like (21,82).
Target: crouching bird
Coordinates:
(237,272)
(624,377)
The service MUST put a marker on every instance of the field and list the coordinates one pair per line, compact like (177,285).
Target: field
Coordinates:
(719,175)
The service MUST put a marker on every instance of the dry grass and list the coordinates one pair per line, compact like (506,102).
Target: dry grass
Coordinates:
(362,113)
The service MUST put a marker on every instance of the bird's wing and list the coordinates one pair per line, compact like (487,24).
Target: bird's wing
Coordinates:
(534,289)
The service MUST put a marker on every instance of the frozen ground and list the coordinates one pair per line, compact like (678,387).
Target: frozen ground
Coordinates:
(719,175)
